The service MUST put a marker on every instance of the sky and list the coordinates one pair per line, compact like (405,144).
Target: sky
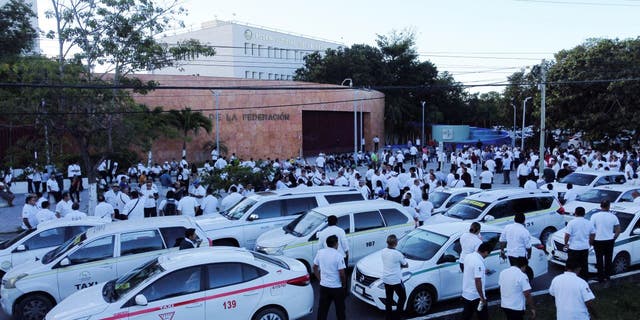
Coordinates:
(477,41)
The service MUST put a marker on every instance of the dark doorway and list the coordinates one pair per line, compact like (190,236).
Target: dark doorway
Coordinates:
(327,131)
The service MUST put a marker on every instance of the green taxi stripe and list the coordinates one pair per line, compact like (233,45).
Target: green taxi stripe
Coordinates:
(349,235)
(445,265)
(530,214)
(625,241)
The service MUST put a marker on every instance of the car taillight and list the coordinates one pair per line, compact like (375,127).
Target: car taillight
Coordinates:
(210,242)
(300,281)
(561,210)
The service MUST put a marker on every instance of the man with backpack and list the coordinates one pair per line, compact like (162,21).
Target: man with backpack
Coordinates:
(169,206)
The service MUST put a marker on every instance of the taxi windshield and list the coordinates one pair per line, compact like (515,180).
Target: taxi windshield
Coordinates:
(467,209)
(623,218)
(304,224)
(421,244)
(438,198)
(239,209)
(578,179)
(63,248)
(596,196)
(120,287)
(9,242)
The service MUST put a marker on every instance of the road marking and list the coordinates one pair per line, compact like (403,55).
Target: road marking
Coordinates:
(497,302)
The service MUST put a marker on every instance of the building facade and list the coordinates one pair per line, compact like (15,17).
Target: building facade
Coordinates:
(303,119)
(246,51)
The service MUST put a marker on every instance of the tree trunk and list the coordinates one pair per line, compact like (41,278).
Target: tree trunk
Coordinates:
(91,175)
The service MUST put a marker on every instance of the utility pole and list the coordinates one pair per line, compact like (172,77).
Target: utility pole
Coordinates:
(422,135)
(542,87)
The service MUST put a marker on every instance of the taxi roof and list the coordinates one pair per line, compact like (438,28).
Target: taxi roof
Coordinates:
(627,207)
(617,187)
(453,228)
(598,173)
(308,190)
(133,225)
(460,190)
(494,195)
(62,222)
(344,208)
(185,258)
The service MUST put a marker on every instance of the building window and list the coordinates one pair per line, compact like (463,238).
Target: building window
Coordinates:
(269,51)
(277,77)
(253,49)
(289,78)
(283,53)
(260,75)
(247,74)
(270,76)
(253,75)
(259,51)
(246,48)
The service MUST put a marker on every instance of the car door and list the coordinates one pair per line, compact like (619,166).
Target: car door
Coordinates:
(136,248)
(89,265)
(233,290)
(369,234)
(635,241)
(267,213)
(397,223)
(627,196)
(176,295)
(455,199)
(493,263)
(450,274)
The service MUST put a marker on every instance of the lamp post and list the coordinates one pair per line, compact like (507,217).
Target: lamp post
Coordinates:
(216,96)
(355,120)
(513,136)
(422,135)
(524,109)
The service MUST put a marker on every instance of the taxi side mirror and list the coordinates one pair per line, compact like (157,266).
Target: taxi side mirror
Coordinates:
(447,258)
(489,218)
(141,300)
(65,262)
(253,216)
(636,232)
(20,248)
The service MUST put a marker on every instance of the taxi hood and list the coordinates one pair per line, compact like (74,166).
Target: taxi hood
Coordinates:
(441,218)
(214,222)
(277,238)
(30,267)
(371,265)
(71,308)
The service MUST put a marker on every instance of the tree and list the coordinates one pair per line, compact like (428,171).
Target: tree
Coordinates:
(188,121)
(596,89)
(17,35)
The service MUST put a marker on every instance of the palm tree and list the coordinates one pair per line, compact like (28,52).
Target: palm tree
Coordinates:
(187,121)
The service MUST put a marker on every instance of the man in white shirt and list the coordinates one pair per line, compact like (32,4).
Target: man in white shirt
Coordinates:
(607,229)
(332,229)
(197,191)
(134,208)
(329,268)
(53,189)
(149,194)
(231,199)
(424,210)
(392,263)
(44,214)
(209,203)
(393,185)
(573,297)
(187,206)
(486,178)
(104,210)
(517,240)
(514,291)
(473,284)
(75,213)
(469,242)
(578,236)
(116,198)
(64,207)
(571,193)
(29,220)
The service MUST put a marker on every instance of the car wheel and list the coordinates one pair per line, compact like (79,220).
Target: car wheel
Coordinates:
(546,233)
(270,314)
(621,263)
(33,307)
(421,300)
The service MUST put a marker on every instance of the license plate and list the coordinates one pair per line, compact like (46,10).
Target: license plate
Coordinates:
(561,255)
(360,289)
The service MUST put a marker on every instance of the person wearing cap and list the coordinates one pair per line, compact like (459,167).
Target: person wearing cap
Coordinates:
(607,228)
(190,239)
(573,297)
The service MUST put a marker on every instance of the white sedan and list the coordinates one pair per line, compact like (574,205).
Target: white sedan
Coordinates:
(626,250)
(198,284)
(432,252)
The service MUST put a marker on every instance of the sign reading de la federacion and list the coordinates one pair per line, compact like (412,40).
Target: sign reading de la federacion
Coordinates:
(256,117)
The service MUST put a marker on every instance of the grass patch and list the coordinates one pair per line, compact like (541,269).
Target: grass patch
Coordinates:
(618,302)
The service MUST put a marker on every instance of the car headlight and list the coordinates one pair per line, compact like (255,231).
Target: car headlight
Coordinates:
(271,250)
(11,282)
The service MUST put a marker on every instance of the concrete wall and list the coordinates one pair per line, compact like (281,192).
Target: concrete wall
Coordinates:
(255,123)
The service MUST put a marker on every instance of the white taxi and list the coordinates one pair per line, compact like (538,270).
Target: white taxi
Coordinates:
(443,200)
(198,284)
(591,198)
(585,180)
(498,207)
(626,250)
(433,275)
(33,244)
(366,224)
(100,254)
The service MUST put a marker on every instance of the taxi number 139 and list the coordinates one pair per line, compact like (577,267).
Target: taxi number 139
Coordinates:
(231,304)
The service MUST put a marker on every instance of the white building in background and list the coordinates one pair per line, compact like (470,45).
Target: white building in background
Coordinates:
(246,51)
(34,21)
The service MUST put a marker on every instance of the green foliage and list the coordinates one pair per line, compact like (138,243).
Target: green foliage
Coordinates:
(187,121)
(221,180)
(17,35)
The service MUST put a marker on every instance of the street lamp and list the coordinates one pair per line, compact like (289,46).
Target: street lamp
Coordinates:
(216,96)
(524,108)
(355,120)
(513,136)
(422,135)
